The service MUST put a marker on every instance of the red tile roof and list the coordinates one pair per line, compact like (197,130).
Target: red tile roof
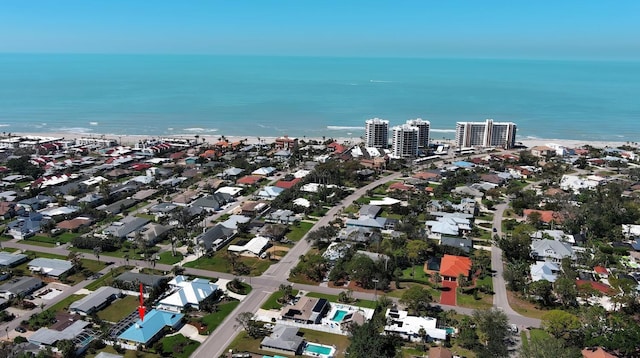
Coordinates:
(400,186)
(284,184)
(425,175)
(453,266)
(596,353)
(601,270)
(599,286)
(249,180)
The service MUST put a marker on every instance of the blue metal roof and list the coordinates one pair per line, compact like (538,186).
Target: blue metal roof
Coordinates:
(154,321)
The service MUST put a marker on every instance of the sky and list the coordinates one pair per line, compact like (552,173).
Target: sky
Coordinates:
(401,28)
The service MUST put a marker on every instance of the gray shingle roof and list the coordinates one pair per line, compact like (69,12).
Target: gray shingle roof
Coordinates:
(94,299)
(284,338)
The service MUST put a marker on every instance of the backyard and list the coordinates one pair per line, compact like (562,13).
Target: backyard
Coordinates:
(178,346)
(220,262)
(213,320)
(119,309)
(299,230)
(244,343)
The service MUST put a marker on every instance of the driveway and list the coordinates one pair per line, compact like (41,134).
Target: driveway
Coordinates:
(448,295)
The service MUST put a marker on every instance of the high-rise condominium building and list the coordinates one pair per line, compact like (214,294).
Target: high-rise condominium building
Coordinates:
(423,131)
(377,133)
(405,141)
(485,134)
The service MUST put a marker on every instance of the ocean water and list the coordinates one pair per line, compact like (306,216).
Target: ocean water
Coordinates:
(314,96)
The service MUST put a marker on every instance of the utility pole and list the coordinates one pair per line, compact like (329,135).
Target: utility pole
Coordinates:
(375,290)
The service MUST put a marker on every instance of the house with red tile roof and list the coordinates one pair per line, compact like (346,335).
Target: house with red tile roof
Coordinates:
(596,353)
(398,186)
(286,184)
(452,266)
(249,180)
(427,176)
(598,286)
(601,271)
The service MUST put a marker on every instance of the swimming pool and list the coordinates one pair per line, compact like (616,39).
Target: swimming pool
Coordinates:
(339,315)
(318,349)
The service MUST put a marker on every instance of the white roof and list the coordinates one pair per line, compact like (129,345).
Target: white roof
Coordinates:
(231,190)
(544,271)
(384,202)
(302,202)
(52,267)
(411,325)
(264,171)
(94,180)
(314,187)
(255,246)
(301,173)
(189,292)
(63,210)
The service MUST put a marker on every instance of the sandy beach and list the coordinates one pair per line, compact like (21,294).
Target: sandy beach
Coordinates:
(132,139)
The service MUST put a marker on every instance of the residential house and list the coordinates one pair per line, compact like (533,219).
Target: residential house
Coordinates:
(162,209)
(75,224)
(230,190)
(463,244)
(185,293)
(546,216)
(307,310)
(543,270)
(77,332)
(9,209)
(437,352)
(249,180)
(371,211)
(281,216)
(542,151)
(253,247)
(264,171)
(26,226)
(233,221)
(254,208)
(124,227)
(551,250)
(368,222)
(50,267)
(118,207)
(358,234)
(36,203)
(287,184)
(91,200)
(601,271)
(131,281)
(285,142)
(215,238)
(452,266)
(448,224)
(269,192)
(19,287)
(213,202)
(232,172)
(151,233)
(10,259)
(596,352)
(147,331)
(335,251)
(95,301)
(283,340)
(408,327)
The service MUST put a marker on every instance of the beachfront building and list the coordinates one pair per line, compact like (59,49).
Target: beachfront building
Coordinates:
(377,133)
(409,327)
(423,131)
(485,134)
(405,141)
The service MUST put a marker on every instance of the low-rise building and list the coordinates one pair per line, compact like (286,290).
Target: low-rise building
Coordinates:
(284,340)
(50,267)
(147,331)
(10,259)
(19,287)
(187,293)
(253,247)
(95,301)
(408,327)
(307,310)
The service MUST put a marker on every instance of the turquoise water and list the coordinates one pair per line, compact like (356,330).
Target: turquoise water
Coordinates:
(313,96)
(314,348)
(339,315)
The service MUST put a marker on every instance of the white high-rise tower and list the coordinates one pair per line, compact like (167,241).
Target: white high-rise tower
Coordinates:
(377,133)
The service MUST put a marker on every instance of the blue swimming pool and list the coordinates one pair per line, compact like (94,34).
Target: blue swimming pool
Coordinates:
(315,348)
(339,315)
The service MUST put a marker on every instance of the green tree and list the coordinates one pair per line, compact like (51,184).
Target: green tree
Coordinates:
(416,299)
(67,348)
(515,274)
(542,289)
(566,290)
(367,342)
(561,324)
(543,346)
(493,329)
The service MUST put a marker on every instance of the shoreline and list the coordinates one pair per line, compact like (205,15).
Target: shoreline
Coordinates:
(130,139)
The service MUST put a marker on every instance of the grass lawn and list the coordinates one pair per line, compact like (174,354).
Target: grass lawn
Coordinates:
(523,307)
(484,302)
(178,346)
(244,290)
(107,279)
(64,304)
(118,253)
(397,293)
(334,298)
(272,301)
(243,343)
(220,263)
(486,281)
(420,275)
(168,259)
(213,320)
(119,309)
(8,249)
(341,342)
(37,243)
(298,231)
(300,278)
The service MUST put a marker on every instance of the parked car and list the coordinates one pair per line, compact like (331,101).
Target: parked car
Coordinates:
(21,329)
